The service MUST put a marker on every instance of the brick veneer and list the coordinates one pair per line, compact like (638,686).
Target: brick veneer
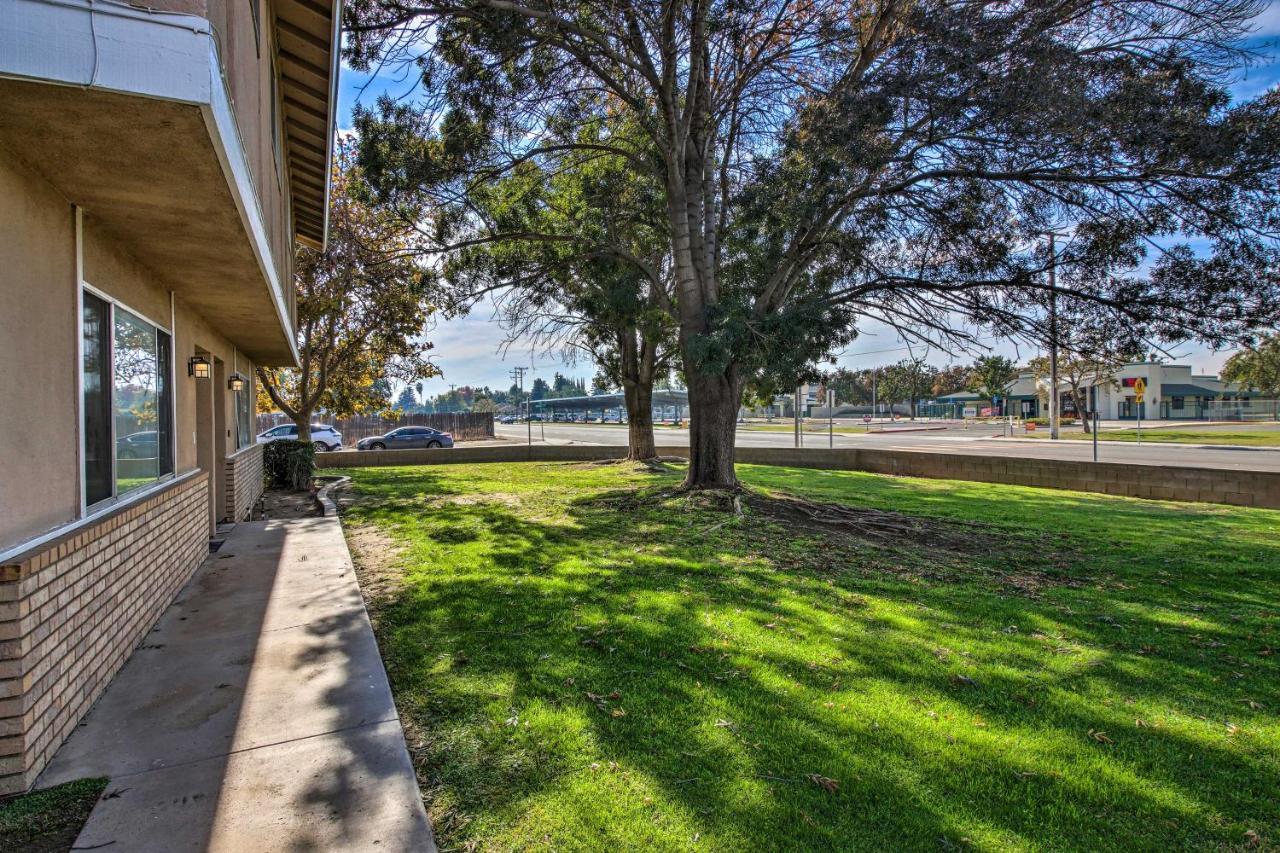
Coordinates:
(73,609)
(1160,482)
(244,482)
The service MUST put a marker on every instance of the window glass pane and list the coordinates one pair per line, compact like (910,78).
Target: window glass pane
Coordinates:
(96,372)
(164,358)
(244,437)
(135,402)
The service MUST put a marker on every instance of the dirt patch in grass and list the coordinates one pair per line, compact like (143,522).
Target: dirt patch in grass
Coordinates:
(376,556)
(278,503)
(47,821)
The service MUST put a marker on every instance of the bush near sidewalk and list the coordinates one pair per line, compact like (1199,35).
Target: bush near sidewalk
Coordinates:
(288,464)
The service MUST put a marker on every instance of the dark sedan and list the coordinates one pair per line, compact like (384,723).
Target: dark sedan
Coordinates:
(406,438)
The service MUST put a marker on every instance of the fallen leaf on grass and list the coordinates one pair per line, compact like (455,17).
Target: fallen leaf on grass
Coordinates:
(618,712)
(1100,736)
(964,680)
(829,785)
(1253,706)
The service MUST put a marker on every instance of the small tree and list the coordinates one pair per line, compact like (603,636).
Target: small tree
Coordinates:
(484,404)
(406,402)
(362,305)
(950,379)
(991,376)
(851,386)
(1257,367)
(910,380)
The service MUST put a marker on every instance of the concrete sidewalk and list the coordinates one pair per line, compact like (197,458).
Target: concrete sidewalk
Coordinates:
(256,716)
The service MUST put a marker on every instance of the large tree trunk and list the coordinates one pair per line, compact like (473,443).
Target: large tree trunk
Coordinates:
(640,442)
(303,422)
(713,420)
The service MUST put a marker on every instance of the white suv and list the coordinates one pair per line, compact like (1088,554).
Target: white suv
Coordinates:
(323,436)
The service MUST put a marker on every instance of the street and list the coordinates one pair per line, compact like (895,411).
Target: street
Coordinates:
(977,441)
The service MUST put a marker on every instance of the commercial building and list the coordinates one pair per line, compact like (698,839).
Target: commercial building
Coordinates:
(1170,392)
(157,167)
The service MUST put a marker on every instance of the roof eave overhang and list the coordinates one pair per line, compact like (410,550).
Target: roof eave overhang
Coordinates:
(166,67)
(309,36)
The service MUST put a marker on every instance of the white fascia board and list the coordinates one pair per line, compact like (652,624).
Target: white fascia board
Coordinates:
(97,44)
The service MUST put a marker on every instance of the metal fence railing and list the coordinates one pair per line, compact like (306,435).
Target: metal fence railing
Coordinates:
(463,426)
(1243,410)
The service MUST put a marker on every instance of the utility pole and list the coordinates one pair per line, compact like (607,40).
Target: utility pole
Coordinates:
(517,376)
(1055,401)
(875,405)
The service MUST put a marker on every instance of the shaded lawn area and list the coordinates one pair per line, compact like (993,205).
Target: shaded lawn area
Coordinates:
(584,660)
(47,821)
(1261,437)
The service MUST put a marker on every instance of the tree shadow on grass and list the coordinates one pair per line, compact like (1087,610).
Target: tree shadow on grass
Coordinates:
(560,671)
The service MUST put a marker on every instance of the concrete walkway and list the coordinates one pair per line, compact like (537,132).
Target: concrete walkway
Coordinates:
(256,716)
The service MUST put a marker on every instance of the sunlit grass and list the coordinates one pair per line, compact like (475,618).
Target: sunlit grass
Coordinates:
(1261,437)
(586,660)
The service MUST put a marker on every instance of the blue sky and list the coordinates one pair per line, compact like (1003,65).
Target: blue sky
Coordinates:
(467,349)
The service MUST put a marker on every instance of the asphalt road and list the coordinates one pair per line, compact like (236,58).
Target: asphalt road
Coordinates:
(977,441)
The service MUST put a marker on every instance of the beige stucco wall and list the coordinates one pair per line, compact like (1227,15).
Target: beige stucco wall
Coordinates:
(38,434)
(39,405)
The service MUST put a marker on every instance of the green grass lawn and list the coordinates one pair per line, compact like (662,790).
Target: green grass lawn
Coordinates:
(47,821)
(1261,437)
(584,660)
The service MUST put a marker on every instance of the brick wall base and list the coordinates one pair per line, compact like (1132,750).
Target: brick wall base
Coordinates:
(1158,482)
(73,609)
(244,482)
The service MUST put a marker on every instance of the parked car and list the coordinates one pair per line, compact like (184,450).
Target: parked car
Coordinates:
(406,438)
(323,436)
(508,419)
(138,445)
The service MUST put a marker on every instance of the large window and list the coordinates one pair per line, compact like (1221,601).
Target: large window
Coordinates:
(128,401)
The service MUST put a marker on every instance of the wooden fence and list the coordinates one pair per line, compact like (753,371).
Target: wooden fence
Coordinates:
(463,426)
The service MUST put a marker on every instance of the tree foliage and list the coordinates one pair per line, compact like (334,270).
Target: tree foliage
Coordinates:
(362,305)
(822,164)
(990,376)
(909,381)
(1256,368)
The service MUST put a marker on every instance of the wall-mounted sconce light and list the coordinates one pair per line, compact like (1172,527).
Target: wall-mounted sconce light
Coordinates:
(198,366)
(237,382)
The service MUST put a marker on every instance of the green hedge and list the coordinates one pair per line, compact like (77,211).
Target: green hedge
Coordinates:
(1045,421)
(288,464)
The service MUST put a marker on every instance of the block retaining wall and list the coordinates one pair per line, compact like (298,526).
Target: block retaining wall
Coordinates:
(73,609)
(1158,482)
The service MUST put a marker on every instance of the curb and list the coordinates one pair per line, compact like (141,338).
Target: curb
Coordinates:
(327,506)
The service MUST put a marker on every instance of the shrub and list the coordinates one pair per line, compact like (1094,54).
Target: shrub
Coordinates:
(288,464)
(1045,421)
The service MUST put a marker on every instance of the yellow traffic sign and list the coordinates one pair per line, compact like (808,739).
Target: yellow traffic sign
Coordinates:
(1139,389)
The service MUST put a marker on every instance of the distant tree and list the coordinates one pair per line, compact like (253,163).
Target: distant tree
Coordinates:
(909,381)
(484,404)
(1256,368)
(541,390)
(851,386)
(600,384)
(991,375)
(951,379)
(362,306)
(406,402)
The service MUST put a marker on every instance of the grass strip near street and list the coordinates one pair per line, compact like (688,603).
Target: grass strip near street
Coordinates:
(586,659)
(47,821)
(1261,437)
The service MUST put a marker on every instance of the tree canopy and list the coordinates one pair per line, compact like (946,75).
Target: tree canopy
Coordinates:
(362,307)
(1257,367)
(823,164)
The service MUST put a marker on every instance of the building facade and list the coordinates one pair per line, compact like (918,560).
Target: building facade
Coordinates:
(157,167)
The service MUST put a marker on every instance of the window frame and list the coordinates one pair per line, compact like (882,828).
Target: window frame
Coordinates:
(112,303)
